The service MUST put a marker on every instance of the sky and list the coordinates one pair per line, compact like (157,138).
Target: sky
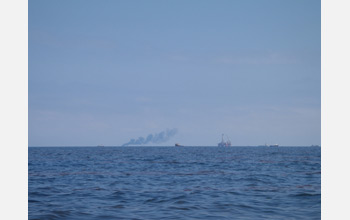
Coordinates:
(106,72)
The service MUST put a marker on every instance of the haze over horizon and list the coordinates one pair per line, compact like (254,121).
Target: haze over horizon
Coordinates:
(106,72)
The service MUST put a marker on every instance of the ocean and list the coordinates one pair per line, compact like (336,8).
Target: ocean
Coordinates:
(174,183)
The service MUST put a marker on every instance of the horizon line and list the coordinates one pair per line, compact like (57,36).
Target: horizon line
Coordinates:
(170,146)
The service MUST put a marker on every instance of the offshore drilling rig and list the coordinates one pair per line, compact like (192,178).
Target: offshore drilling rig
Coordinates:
(224,143)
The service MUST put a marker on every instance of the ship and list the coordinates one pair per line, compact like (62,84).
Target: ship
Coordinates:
(266,145)
(224,143)
(178,145)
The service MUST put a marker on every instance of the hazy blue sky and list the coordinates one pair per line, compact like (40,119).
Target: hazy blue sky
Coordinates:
(103,72)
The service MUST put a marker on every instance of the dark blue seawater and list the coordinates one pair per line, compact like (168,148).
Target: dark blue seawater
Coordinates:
(174,183)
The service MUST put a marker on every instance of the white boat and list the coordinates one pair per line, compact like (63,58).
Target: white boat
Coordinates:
(268,145)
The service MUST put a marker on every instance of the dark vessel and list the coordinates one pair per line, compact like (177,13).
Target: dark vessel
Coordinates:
(315,146)
(224,143)
(178,145)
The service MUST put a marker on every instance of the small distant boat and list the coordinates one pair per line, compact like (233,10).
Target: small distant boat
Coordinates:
(268,145)
(224,143)
(100,145)
(178,145)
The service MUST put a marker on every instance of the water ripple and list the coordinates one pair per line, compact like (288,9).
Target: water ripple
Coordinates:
(173,183)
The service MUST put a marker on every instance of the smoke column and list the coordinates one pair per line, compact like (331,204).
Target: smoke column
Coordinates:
(153,138)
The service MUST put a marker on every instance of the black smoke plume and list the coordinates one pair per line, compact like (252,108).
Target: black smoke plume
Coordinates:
(153,138)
